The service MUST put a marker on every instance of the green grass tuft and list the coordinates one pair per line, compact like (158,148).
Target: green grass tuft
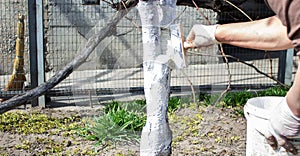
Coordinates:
(174,104)
(105,129)
(236,99)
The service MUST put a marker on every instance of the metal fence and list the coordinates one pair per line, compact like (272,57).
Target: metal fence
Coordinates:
(114,69)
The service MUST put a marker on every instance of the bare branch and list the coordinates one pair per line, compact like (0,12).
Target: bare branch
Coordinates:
(192,86)
(202,14)
(239,9)
(229,75)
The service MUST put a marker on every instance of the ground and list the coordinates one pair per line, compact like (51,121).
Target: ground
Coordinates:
(204,130)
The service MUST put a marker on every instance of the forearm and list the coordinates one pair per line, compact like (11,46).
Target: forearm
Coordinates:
(293,95)
(265,34)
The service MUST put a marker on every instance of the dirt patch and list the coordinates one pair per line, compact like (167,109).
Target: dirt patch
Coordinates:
(196,131)
(209,131)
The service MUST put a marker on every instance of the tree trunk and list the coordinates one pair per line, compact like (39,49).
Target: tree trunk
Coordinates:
(156,136)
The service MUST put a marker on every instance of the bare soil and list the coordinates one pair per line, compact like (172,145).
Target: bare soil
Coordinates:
(196,131)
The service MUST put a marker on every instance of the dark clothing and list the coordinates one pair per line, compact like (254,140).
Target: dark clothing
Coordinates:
(288,12)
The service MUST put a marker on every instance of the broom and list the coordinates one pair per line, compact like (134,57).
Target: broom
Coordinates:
(17,79)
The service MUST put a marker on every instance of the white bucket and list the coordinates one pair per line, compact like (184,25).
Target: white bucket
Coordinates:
(257,112)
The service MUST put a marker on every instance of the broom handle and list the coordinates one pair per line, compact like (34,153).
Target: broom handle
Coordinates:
(19,60)
(20,38)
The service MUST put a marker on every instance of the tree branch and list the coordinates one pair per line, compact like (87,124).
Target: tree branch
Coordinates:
(229,75)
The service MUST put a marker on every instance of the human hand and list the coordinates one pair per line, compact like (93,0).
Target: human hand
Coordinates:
(201,36)
(282,124)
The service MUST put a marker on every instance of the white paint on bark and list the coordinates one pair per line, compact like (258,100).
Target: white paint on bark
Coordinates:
(175,50)
(156,136)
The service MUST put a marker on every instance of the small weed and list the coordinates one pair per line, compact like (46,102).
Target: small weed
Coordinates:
(235,138)
(203,149)
(133,121)
(218,140)
(127,114)
(174,104)
(121,122)
(22,147)
(134,106)
(106,131)
(238,111)
(210,134)
(209,99)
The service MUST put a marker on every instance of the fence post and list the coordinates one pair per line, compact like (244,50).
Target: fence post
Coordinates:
(35,28)
(285,66)
(281,65)
(289,67)
(40,48)
(32,47)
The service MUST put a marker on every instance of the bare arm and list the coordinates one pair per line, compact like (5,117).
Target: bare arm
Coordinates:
(264,34)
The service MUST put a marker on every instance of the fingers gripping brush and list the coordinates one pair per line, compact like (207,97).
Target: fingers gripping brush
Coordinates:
(177,51)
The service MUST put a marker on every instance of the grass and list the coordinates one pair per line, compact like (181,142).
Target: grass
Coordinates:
(131,114)
(129,120)
(174,104)
(106,132)
(273,91)
(121,122)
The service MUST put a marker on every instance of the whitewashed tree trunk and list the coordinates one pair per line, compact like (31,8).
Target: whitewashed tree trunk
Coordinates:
(156,136)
